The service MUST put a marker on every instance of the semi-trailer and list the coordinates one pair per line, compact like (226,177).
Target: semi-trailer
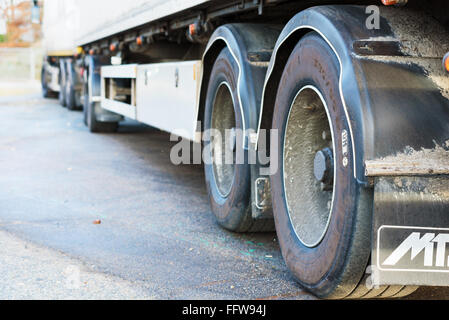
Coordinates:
(348,100)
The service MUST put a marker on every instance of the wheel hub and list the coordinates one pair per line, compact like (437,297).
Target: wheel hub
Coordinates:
(308,166)
(323,166)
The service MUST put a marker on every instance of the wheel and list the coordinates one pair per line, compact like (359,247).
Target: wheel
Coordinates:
(70,93)
(85,101)
(365,290)
(46,93)
(62,83)
(227,180)
(45,90)
(322,214)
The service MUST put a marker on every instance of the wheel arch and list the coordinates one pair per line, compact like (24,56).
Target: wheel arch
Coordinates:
(251,46)
(370,98)
(330,23)
(93,64)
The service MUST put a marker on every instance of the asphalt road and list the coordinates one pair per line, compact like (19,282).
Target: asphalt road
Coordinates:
(157,238)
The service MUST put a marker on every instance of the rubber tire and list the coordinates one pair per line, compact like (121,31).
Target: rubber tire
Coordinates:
(97,126)
(232,212)
(333,268)
(70,90)
(85,102)
(46,93)
(62,81)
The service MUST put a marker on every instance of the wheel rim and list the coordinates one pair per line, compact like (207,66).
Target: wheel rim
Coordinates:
(308,132)
(222,151)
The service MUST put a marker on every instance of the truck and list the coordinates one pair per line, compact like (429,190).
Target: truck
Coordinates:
(58,76)
(324,121)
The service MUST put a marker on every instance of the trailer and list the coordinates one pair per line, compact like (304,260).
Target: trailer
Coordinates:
(327,121)
(59,78)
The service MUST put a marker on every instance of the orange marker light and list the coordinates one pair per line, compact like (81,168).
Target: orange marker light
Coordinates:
(394,2)
(112,47)
(139,40)
(446,62)
(192,29)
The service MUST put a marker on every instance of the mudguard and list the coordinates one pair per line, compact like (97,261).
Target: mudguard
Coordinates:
(390,100)
(94,64)
(251,46)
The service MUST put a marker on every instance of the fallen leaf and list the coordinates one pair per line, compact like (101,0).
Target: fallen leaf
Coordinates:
(97,222)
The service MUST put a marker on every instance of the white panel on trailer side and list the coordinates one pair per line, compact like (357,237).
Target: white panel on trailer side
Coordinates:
(168,95)
(163,95)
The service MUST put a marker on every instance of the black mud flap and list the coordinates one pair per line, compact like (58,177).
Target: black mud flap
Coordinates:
(411,231)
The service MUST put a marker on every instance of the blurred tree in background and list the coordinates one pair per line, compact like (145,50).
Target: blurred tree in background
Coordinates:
(16,15)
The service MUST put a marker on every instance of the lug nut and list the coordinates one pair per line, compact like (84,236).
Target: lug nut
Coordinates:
(323,166)
(326,135)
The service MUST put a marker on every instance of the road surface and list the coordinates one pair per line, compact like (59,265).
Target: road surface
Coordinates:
(157,238)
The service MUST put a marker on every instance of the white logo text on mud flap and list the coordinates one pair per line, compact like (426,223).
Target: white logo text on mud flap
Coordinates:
(345,147)
(416,243)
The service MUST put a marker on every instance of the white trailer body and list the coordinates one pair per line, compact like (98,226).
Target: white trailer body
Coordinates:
(71,23)
(121,18)
(60,24)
